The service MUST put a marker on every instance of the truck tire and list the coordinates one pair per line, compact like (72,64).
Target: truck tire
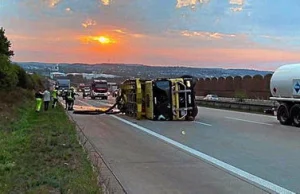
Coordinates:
(194,79)
(93,97)
(295,115)
(105,98)
(283,115)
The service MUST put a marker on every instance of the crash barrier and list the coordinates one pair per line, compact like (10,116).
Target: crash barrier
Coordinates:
(246,106)
(107,180)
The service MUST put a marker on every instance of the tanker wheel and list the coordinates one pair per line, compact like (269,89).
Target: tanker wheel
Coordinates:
(295,115)
(283,115)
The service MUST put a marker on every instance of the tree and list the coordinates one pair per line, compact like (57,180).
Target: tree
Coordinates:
(8,76)
(5,44)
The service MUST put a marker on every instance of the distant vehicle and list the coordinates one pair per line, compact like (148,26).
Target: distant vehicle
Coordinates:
(99,89)
(285,89)
(86,91)
(63,85)
(81,87)
(211,97)
(115,93)
(112,87)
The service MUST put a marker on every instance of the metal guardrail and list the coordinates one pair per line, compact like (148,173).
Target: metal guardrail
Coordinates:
(236,105)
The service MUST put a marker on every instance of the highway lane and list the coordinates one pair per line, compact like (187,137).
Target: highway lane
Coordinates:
(257,144)
(145,164)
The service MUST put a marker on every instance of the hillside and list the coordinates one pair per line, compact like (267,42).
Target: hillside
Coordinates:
(135,70)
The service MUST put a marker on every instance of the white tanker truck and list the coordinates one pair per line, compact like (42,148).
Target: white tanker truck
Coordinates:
(285,89)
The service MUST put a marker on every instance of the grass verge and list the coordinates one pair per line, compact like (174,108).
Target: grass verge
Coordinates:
(40,154)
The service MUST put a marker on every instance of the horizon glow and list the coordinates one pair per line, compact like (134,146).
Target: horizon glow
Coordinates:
(195,33)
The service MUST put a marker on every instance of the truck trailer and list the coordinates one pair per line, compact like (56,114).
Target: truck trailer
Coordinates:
(285,89)
(159,99)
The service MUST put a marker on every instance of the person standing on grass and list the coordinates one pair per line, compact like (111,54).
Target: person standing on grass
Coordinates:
(55,97)
(39,100)
(47,98)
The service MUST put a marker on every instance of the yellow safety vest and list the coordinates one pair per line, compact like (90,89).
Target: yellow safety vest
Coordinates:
(54,94)
(70,95)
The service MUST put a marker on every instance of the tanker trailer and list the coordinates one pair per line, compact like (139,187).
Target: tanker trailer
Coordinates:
(285,89)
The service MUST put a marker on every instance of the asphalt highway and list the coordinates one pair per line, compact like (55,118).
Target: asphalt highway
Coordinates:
(221,152)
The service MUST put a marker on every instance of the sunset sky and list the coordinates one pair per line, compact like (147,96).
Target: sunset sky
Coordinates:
(260,34)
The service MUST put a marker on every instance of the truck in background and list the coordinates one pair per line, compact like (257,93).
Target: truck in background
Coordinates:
(285,89)
(63,84)
(99,89)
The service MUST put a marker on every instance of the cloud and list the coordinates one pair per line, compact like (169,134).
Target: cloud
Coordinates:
(105,2)
(68,9)
(53,3)
(190,3)
(206,35)
(119,31)
(124,32)
(237,5)
(89,22)
(236,2)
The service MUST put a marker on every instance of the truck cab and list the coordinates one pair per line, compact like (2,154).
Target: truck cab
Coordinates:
(63,85)
(99,89)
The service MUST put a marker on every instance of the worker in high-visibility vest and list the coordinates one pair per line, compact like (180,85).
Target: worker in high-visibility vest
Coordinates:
(55,97)
(39,100)
(71,98)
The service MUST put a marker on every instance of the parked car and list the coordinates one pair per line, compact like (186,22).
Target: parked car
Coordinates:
(211,97)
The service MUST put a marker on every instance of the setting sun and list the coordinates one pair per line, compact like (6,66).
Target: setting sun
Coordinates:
(104,40)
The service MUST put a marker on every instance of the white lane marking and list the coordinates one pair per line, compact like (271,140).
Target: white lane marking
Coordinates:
(248,121)
(227,167)
(206,124)
(239,112)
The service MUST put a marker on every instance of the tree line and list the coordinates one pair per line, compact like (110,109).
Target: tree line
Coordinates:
(13,76)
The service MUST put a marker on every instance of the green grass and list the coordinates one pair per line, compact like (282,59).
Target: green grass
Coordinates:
(40,154)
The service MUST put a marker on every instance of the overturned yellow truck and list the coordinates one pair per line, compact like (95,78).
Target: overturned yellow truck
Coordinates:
(159,99)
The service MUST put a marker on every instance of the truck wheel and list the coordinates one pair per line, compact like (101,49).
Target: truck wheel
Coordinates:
(295,115)
(283,115)
(92,97)
(105,98)
(194,79)
(195,111)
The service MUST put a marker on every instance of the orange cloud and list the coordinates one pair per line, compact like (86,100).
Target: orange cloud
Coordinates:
(52,3)
(105,2)
(130,34)
(97,39)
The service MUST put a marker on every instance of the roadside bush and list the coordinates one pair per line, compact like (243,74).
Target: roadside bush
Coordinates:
(37,81)
(24,80)
(240,95)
